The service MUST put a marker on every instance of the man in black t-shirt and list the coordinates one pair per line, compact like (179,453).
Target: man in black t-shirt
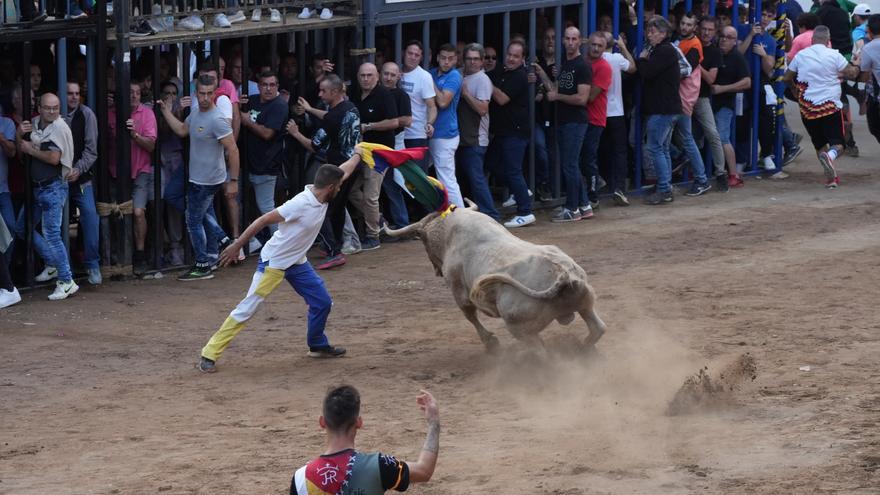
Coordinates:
(343,469)
(333,143)
(570,92)
(733,77)
(378,123)
(397,212)
(703,115)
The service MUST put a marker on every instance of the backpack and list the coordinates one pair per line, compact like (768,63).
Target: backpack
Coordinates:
(684,67)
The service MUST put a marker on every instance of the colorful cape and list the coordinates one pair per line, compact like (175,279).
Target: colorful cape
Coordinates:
(428,191)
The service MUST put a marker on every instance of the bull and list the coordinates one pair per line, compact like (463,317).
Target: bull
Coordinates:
(493,272)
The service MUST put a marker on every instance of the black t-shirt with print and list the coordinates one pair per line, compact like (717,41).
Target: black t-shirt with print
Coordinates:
(711,60)
(571,74)
(339,133)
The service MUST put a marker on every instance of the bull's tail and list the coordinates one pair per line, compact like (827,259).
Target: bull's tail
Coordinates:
(483,284)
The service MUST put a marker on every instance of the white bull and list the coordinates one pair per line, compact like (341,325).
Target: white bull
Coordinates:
(492,271)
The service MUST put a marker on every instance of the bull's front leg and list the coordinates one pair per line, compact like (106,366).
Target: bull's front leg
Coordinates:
(486,337)
(594,323)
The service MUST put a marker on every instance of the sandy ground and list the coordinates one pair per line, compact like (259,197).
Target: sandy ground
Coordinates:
(98,394)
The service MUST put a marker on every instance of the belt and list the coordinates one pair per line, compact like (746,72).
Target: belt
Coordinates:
(44,183)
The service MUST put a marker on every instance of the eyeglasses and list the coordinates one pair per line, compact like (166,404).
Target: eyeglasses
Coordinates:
(491,57)
(51,109)
(268,85)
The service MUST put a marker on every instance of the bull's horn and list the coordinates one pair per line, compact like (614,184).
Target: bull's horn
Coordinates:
(471,205)
(411,228)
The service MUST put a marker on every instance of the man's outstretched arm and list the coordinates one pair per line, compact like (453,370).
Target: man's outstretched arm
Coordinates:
(231,252)
(422,470)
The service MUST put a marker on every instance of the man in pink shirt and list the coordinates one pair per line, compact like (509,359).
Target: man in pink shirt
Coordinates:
(143,131)
(806,22)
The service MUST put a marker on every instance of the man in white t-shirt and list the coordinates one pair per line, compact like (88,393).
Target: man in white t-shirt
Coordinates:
(419,85)
(815,74)
(284,257)
(613,144)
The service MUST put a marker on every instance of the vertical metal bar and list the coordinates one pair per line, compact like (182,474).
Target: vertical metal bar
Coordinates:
(26,112)
(370,35)
(592,17)
(273,52)
(557,169)
(92,92)
(688,5)
(122,102)
(734,20)
(426,41)
(244,173)
(481,29)
(398,43)
(99,105)
(339,44)
(61,61)
(158,219)
(615,29)
(637,107)
(756,87)
(712,5)
(453,30)
(505,33)
(532,36)
(186,54)
(778,85)
(301,62)
(664,8)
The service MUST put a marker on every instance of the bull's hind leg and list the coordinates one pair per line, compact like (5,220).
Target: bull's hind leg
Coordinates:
(594,323)
(486,337)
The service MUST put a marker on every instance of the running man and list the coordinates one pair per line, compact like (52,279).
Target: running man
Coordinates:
(815,74)
(284,257)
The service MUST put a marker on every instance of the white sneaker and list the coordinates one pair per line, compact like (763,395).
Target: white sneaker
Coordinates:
(157,9)
(326,13)
(192,23)
(254,245)
(95,277)
(348,249)
(257,15)
(512,201)
(237,17)
(768,163)
(520,221)
(8,298)
(63,290)
(274,15)
(305,14)
(47,274)
(221,21)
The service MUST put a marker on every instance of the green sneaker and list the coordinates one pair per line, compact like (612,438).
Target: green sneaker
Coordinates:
(197,273)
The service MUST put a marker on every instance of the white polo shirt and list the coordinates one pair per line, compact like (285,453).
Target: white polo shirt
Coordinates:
(303,216)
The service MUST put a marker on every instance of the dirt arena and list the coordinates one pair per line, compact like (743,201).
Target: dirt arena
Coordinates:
(98,395)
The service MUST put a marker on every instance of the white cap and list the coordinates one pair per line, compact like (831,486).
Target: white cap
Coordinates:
(862,9)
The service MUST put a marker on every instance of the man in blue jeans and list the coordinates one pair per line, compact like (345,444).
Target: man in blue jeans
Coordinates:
(210,134)
(570,91)
(509,122)
(49,143)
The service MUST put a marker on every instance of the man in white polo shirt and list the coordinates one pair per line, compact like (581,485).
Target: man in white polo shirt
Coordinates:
(419,85)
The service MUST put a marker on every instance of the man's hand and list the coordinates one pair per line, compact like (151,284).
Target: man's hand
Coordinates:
(25,127)
(428,405)
(110,101)
(26,147)
(328,66)
(714,89)
(292,128)
(186,101)
(757,29)
(429,129)
(298,109)
(230,189)
(621,41)
(758,49)
(129,124)
(242,100)
(160,104)
(303,103)
(645,53)
(230,254)
(73,176)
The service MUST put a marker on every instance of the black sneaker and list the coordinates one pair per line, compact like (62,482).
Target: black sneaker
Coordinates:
(721,183)
(143,29)
(698,189)
(791,154)
(544,193)
(658,197)
(326,352)
(206,366)
(620,199)
(197,273)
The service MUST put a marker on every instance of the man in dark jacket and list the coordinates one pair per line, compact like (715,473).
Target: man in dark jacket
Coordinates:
(658,66)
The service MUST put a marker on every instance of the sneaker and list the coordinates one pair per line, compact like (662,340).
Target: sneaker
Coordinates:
(47,274)
(274,15)
(544,193)
(328,351)
(305,14)
(567,215)
(586,211)
(331,262)
(197,273)
(658,197)
(852,151)
(95,277)
(721,183)
(257,15)
(8,298)
(142,29)
(511,201)
(827,166)
(698,189)
(735,181)
(254,245)
(236,17)
(620,199)
(192,23)
(768,164)
(600,183)
(348,249)
(520,221)
(833,183)
(75,12)
(797,138)
(63,290)
(206,365)
(791,154)
(221,21)
(370,244)
(594,205)
(779,175)
(326,13)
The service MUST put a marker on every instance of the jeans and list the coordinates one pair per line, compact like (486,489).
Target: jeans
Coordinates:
(49,210)
(659,129)
(83,197)
(443,154)
(200,203)
(174,193)
(590,164)
(543,151)
(470,162)
(418,143)
(705,119)
(614,147)
(684,136)
(571,139)
(396,203)
(7,212)
(724,124)
(264,193)
(505,155)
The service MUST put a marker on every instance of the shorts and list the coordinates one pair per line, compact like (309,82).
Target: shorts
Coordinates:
(724,123)
(825,130)
(142,190)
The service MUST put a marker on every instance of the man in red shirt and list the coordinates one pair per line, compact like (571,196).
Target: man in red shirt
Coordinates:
(597,105)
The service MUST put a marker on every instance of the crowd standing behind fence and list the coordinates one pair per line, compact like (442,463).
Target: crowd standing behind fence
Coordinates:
(703,95)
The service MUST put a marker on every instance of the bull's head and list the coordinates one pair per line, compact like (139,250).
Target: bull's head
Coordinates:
(419,227)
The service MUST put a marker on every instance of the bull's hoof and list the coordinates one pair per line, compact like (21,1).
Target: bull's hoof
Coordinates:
(565,319)
(493,346)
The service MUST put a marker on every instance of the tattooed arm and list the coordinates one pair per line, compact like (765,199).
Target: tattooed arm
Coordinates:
(422,470)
